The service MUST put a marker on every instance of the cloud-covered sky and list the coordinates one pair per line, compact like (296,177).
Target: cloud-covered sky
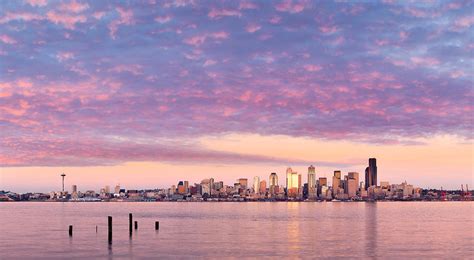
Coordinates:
(88,83)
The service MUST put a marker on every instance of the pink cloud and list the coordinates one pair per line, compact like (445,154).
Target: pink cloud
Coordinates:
(209,63)
(247,5)
(62,56)
(219,13)
(37,2)
(403,35)
(424,61)
(163,19)
(312,67)
(328,29)
(125,18)
(275,20)
(464,22)
(251,28)
(381,42)
(67,20)
(200,39)
(24,16)
(290,6)
(73,6)
(7,39)
(98,15)
(134,69)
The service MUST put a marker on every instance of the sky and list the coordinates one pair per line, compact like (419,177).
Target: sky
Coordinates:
(147,93)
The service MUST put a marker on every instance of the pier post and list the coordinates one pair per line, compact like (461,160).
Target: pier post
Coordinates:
(110,229)
(70,230)
(157,225)
(130,222)
(136,225)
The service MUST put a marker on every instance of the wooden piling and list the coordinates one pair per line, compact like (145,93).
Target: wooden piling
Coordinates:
(157,225)
(110,229)
(136,225)
(130,223)
(70,230)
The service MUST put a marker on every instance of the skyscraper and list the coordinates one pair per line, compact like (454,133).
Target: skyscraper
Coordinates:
(355,176)
(256,184)
(273,182)
(243,183)
(311,180)
(371,173)
(336,182)
(289,173)
(293,182)
(263,187)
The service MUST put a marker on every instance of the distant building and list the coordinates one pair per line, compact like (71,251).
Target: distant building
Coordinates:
(263,187)
(351,187)
(273,182)
(371,173)
(311,181)
(256,184)
(243,183)
(293,182)
(354,176)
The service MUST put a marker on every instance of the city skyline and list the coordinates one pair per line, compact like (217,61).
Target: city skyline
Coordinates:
(347,187)
(293,183)
(140,92)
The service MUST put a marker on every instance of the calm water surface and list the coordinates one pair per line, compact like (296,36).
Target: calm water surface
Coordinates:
(215,230)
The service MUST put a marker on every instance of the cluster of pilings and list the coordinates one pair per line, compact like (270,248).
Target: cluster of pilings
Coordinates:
(109,226)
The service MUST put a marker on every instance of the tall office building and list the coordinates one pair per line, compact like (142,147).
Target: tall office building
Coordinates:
(371,173)
(293,182)
(355,176)
(351,187)
(243,183)
(263,187)
(74,192)
(289,173)
(311,179)
(336,182)
(186,186)
(273,182)
(322,182)
(256,184)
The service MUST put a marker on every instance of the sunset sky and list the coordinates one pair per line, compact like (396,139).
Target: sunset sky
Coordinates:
(147,93)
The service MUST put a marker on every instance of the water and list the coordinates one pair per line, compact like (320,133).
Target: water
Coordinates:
(216,230)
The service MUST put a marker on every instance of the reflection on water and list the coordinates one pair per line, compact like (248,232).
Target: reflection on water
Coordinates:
(293,230)
(216,230)
(371,229)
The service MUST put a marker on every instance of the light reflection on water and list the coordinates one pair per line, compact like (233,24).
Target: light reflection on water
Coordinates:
(216,230)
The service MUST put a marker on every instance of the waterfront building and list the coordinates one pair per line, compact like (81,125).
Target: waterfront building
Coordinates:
(322,182)
(256,184)
(243,183)
(354,176)
(384,184)
(117,190)
(273,182)
(371,173)
(263,187)
(186,187)
(336,180)
(351,187)
(74,193)
(293,182)
(311,181)
(181,188)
